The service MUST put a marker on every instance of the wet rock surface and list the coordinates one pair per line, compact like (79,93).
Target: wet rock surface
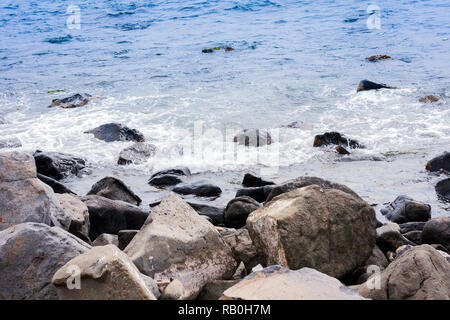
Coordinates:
(58,165)
(114,189)
(116,132)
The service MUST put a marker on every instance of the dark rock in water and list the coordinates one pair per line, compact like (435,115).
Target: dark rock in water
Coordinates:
(114,189)
(335,138)
(10,143)
(116,132)
(437,231)
(414,236)
(137,153)
(111,216)
(165,180)
(429,99)
(30,254)
(125,237)
(216,214)
(411,226)
(365,85)
(169,177)
(250,181)
(441,162)
(405,209)
(211,50)
(378,57)
(75,101)
(301,182)
(342,150)
(57,187)
(443,188)
(237,211)
(58,165)
(253,138)
(198,188)
(260,194)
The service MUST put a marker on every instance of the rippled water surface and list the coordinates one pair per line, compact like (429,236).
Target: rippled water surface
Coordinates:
(293,61)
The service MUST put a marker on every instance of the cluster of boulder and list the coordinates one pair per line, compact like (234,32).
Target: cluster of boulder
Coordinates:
(307,238)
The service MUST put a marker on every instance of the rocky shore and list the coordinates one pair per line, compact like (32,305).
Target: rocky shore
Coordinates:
(305,238)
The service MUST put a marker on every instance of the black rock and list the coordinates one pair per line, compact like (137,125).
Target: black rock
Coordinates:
(391,240)
(443,189)
(365,85)
(57,187)
(378,57)
(335,138)
(411,226)
(237,211)
(111,216)
(441,162)
(75,101)
(405,209)
(414,236)
(165,180)
(260,194)
(58,165)
(215,214)
(180,171)
(199,188)
(254,181)
(116,132)
(137,153)
(114,189)
(125,237)
(301,182)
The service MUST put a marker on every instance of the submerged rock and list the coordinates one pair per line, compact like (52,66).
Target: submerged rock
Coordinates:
(138,153)
(441,162)
(378,57)
(10,143)
(106,274)
(169,177)
(366,85)
(58,165)
(443,188)
(420,273)
(55,185)
(211,50)
(253,138)
(23,197)
(30,254)
(335,138)
(116,132)
(114,189)
(111,216)
(176,243)
(437,231)
(250,181)
(75,101)
(405,209)
(237,211)
(301,182)
(278,283)
(199,188)
(429,99)
(326,229)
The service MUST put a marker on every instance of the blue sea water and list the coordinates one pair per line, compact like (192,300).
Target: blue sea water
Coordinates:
(293,61)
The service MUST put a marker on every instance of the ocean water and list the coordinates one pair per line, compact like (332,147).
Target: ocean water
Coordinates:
(293,61)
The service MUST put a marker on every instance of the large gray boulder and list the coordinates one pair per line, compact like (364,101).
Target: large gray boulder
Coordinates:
(24,198)
(278,283)
(30,254)
(176,243)
(419,273)
(301,182)
(325,229)
(106,273)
